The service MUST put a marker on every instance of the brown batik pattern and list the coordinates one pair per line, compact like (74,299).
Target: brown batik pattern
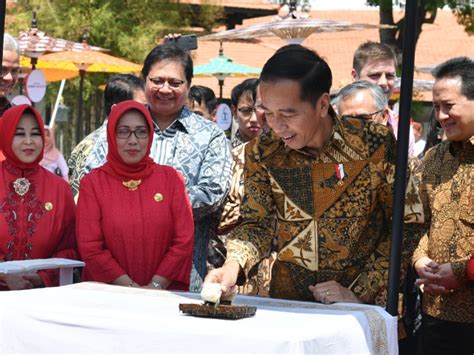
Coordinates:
(325,229)
(447,179)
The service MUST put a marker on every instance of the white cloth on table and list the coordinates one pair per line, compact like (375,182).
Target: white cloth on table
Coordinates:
(97,318)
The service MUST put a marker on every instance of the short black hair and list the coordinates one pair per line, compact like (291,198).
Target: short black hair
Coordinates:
(121,87)
(169,51)
(295,62)
(244,86)
(203,94)
(462,67)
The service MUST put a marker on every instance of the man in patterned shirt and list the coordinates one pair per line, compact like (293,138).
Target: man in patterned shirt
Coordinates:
(322,186)
(191,144)
(447,190)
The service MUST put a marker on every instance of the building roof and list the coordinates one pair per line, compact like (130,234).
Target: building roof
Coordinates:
(243,4)
(439,41)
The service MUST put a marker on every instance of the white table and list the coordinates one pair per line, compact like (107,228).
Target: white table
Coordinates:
(97,318)
(65,266)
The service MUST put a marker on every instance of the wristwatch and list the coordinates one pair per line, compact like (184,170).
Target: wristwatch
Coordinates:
(156,285)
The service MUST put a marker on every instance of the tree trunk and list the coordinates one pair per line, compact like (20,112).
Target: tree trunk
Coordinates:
(394,37)
(387,36)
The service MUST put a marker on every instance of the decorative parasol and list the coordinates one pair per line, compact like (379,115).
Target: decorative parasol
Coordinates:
(34,43)
(294,28)
(89,61)
(52,71)
(221,67)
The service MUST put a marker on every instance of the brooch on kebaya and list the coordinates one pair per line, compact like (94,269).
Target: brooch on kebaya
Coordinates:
(132,185)
(21,186)
(158,197)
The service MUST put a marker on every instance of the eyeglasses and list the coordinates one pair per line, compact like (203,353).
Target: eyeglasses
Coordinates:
(125,133)
(247,111)
(13,71)
(365,116)
(158,83)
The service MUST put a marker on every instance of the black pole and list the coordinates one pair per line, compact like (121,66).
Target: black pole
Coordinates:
(3,8)
(79,128)
(221,84)
(406,89)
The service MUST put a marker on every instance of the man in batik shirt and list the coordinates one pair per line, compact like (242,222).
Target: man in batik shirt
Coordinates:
(322,186)
(447,191)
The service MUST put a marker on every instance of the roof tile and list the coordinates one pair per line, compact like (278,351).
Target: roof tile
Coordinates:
(338,47)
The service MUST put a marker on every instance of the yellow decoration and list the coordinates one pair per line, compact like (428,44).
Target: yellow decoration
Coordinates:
(132,185)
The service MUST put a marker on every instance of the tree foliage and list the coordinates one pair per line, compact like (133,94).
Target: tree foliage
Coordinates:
(465,16)
(426,13)
(129,29)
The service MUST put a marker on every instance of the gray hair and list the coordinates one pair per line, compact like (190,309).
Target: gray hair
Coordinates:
(380,100)
(10,43)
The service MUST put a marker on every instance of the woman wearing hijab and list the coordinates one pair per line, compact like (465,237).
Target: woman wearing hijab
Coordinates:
(53,160)
(134,219)
(36,207)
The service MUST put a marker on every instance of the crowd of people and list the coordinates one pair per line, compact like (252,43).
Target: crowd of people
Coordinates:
(297,204)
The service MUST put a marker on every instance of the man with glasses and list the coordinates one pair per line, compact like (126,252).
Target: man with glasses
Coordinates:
(9,74)
(367,101)
(191,144)
(243,109)
(377,63)
(363,100)
(10,70)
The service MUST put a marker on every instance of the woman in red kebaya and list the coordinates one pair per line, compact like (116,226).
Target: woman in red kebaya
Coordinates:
(134,219)
(36,207)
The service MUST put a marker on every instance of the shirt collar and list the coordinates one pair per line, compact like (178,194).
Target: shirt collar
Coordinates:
(457,147)
(181,122)
(335,136)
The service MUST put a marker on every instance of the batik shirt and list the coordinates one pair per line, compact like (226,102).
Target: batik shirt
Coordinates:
(89,154)
(237,140)
(199,150)
(329,213)
(447,191)
(231,207)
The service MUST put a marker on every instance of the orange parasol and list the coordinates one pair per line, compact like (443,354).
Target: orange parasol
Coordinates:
(89,61)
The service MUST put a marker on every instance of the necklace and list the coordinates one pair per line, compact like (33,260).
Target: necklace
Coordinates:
(132,185)
(21,186)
